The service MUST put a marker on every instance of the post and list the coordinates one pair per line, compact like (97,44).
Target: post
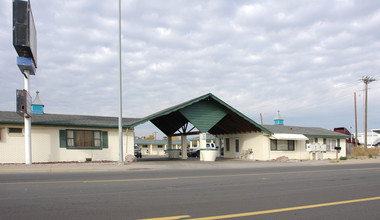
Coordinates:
(184,146)
(120,94)
(27,125)
(356,122)
(366,80)
(170,141)
(202,144)
(365,115)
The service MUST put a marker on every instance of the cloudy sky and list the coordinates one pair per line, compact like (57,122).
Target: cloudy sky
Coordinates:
(304,58)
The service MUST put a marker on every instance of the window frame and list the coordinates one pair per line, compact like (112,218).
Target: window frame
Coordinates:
(291,145)
(227,144)
(68,139)
(237,145)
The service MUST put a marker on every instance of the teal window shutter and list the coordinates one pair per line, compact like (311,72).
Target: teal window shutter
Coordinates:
(324,140)
(338,142)
(62,139)
(104,139)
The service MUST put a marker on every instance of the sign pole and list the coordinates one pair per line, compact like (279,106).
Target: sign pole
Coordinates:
(28,125)
(120,94)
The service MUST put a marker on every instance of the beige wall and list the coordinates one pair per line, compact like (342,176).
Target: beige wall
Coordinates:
(152,149)
(252,140)
(45,146)
(260,145)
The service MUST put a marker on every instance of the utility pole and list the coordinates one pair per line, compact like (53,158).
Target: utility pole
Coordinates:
(120,121)
(366,80)
(356,122)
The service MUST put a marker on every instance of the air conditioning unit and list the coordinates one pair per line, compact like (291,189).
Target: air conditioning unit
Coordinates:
(317,147)
(310,147)
(323,147)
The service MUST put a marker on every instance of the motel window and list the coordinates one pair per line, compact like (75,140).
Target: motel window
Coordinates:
(83,139)
(330,145)
(145,146)
(282,145)
(159,146)
(227,144)
(237,147)
(15,130)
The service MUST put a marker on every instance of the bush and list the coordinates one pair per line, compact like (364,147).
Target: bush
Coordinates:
(343,158)
(369,152)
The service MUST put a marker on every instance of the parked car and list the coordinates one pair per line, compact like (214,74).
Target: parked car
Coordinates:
(195,151)
(138,152)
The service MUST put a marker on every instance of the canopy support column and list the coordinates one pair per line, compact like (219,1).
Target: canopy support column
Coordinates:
(184,146)
(202,143)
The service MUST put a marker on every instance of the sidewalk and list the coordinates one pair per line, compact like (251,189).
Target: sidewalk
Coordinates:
(166,164)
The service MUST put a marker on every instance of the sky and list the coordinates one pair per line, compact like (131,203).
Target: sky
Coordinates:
(303,58)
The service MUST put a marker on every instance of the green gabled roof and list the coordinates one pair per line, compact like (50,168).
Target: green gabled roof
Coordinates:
(225,118)
(167,111)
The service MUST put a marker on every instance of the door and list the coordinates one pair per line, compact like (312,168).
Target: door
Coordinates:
(237,148)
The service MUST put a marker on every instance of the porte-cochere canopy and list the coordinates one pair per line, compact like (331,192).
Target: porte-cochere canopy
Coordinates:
(206,113)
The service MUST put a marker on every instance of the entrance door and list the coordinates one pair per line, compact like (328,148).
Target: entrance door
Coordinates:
(221,143)
(237,148)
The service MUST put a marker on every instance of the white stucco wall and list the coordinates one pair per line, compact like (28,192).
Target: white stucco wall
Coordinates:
(260,145)
(251,140)
(45,146)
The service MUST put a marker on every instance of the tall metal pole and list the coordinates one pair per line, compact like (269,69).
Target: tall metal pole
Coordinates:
(120,94)
(365,115)
(356,122)
(27,125)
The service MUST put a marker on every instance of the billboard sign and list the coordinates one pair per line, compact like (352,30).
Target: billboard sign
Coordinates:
(24,30)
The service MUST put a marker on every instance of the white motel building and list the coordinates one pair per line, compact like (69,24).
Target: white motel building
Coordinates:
(64,138)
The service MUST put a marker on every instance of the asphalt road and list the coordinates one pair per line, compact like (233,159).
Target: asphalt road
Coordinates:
(310,192)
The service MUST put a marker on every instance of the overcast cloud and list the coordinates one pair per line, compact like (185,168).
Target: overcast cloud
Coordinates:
(304,58)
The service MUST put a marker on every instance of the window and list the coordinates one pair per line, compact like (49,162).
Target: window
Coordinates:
(227,144)
(316,140)
(15,130)
(282,145)
(237,147)
(83,139)
(145,146)
(330,145)
(159,146)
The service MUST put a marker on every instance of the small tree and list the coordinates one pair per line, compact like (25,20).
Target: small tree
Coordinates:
(150,137)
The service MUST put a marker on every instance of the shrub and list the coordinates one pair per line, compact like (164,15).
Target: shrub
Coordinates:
(343,158)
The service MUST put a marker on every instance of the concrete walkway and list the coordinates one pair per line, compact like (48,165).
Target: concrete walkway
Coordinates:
(165,164)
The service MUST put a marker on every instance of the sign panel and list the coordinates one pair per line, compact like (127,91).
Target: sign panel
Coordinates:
(24,30)
(23,103)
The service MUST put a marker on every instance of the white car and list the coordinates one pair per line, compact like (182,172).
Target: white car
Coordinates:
(195,151)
